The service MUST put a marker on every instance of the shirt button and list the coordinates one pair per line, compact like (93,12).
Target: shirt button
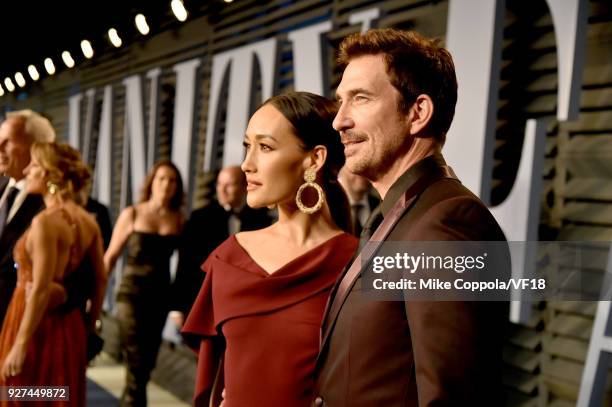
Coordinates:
(318,402)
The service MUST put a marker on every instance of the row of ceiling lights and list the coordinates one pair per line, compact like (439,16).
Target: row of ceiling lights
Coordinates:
(177,6)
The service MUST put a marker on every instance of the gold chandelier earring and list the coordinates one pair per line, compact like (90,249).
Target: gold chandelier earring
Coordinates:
(52,188)
(309,176)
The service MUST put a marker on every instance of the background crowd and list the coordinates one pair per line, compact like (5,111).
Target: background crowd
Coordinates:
(147,232)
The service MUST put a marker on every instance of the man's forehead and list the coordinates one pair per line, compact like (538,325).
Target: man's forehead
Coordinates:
(362,72)
(12,128)
(229,176)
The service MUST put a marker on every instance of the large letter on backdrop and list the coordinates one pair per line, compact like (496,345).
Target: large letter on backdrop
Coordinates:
(239,62)
(183,149)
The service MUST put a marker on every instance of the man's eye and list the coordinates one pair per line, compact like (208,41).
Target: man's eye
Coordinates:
(265,147)
(246,145)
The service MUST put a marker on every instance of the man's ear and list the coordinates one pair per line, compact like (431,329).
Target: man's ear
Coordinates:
(316,158)
(420,114)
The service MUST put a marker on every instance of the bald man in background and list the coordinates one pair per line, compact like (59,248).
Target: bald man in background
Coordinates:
(207,228)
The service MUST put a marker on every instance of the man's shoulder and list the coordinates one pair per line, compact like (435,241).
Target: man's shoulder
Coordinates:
(96,206)
(447,210)
(206,210)
(31,205)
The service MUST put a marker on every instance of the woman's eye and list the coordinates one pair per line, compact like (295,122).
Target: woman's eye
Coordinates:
(246,145)
(265,147)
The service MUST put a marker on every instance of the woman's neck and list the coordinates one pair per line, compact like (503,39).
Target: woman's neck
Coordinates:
(158,207)
(52,200)
(301,228)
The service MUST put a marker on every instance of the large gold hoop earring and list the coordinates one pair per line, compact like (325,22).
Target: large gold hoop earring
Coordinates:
(52,188)
(309,176)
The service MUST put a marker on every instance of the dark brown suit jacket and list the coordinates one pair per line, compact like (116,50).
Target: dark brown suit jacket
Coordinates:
(417,353)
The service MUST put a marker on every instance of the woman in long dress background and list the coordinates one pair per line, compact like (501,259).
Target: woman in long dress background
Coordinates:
(150,230)
(40,344)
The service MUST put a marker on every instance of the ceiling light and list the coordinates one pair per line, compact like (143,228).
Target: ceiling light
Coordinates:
(114,37)
(87,49)
(49,66)
(141,24)
(1,91)
(67,58)
(33,72)
(9,84)
(20,79)
(228,1)
(178,8)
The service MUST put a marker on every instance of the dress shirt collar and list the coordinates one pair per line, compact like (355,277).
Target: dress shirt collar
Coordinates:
(228,208)
(20,185)
(363,201)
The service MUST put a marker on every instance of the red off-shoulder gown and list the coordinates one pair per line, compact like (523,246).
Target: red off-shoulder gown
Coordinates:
(266,326)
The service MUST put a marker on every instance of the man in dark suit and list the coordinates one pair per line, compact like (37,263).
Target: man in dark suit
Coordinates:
(397,100)
(207,228)
(361,198)
(17,207)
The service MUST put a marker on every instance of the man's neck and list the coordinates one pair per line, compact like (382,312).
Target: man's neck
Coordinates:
(356,197)
(422,148)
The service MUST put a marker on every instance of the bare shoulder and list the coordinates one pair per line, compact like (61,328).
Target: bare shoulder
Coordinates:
(48,224)
(126,215)
(46,219)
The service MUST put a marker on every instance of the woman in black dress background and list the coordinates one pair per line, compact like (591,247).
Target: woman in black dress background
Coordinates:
(150,230)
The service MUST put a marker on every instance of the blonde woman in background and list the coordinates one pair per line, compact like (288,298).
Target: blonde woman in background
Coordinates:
(39,344)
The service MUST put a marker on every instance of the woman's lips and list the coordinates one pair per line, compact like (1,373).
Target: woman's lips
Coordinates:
(251,185)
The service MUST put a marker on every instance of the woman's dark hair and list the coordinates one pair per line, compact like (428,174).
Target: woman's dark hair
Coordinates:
(177,200)
(311,117)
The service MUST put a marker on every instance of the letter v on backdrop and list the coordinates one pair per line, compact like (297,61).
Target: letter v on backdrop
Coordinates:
(474,38)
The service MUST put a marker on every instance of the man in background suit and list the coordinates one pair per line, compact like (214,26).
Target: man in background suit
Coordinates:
(397,100)
(17,134)
(207,228)
(360,196)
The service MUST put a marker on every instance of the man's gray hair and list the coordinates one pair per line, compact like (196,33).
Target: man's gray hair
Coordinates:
(34,125)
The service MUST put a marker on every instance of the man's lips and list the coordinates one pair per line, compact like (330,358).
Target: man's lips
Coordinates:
(348,138)
(351,144)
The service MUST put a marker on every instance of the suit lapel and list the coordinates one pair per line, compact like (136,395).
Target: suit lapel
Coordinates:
(349,278)
(3,184)
(27,210)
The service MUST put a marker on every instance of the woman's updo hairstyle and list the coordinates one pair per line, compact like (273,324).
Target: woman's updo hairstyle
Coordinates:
(64,166)
(311,117)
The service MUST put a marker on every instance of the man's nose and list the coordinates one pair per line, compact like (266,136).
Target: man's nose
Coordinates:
(342,121)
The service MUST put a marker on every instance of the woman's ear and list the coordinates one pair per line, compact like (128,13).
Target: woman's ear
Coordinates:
(316,158)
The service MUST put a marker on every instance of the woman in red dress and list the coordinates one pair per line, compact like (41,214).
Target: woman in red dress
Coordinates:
(41,345)
(260,307)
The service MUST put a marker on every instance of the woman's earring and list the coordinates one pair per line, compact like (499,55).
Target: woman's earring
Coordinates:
(52,188)
(309,176)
